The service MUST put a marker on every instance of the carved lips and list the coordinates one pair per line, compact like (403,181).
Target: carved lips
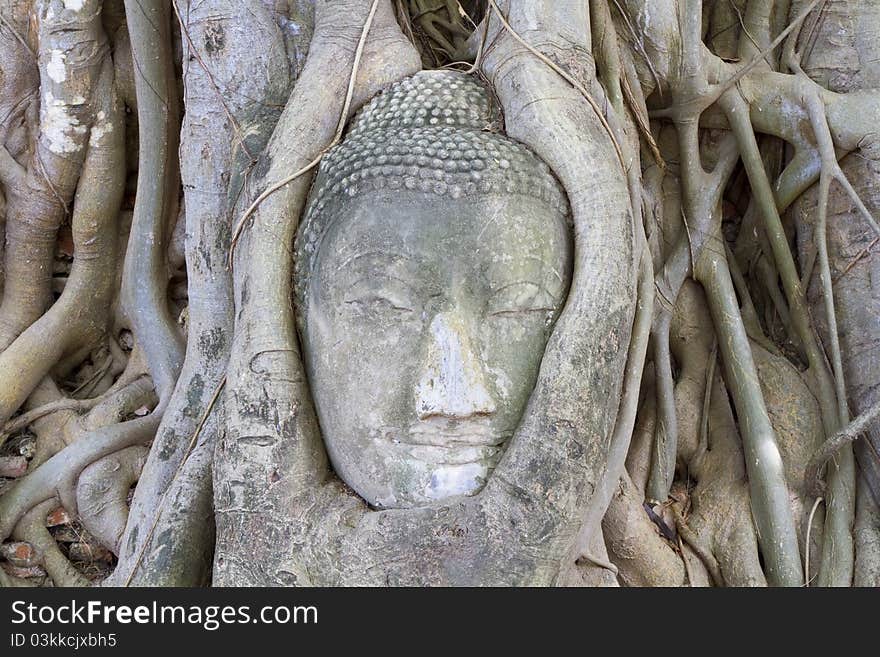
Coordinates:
(450,442)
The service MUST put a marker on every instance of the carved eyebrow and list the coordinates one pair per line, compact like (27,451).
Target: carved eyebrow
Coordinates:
(524,282)
(368,254)
(372,277)
(544,266)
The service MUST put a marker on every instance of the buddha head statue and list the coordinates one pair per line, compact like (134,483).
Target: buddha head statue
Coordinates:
(433,259)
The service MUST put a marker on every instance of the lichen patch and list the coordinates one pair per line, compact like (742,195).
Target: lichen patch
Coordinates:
(55,68)
(101,128)
(59,126)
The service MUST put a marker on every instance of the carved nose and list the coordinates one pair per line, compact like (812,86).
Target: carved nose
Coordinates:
(452,383)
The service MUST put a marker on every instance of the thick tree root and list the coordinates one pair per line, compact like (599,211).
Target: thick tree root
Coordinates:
(32,529)
(58,475)
(102,494)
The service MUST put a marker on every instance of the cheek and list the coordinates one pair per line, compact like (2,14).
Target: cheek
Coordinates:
(512,351)
(367,367)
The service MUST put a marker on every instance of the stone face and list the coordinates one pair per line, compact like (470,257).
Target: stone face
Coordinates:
(424,313)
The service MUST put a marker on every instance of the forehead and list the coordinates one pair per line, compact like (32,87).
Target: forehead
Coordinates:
(427,226)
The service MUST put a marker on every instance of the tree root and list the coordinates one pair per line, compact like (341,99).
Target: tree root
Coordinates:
(58,475)
(79,317)
(699,548)
(102,494)
(146,276)
(634,546)
(40,194)
(826,452)
(32,529)
(768,490)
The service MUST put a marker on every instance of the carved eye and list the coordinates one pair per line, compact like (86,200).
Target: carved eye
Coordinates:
(376,303)
(379,295)
(521,299)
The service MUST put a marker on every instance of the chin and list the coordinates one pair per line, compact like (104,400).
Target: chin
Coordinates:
(397,470)
(432,483)
(455,480)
